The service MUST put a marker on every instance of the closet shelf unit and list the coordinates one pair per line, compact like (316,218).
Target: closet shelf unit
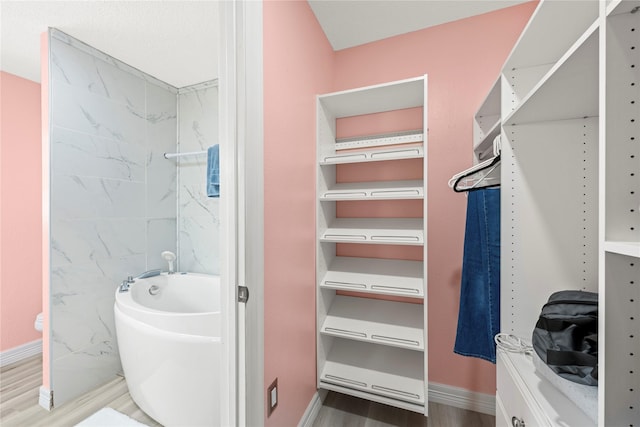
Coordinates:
(486,124)
(570,195)
(376,276)
(374,191)
(370,346)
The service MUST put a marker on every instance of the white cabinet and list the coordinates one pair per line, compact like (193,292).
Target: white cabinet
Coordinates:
(371,343)
(570,216)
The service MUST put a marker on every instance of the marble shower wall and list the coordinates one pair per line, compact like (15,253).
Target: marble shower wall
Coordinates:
(113,201)
(198,215)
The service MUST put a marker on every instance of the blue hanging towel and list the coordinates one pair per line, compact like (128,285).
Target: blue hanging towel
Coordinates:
(479,315)
(213,171)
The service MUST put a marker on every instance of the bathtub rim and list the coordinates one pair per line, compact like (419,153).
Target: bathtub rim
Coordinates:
(126,303)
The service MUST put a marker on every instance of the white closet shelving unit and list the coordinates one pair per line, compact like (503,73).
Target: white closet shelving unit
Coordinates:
(486,124)
(619,395)
(569,122)
(372,348)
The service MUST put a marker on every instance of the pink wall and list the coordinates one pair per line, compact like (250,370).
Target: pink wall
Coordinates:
(462,59)
(20,193)
(298,63)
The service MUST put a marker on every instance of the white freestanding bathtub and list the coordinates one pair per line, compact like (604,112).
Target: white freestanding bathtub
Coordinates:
(168,331)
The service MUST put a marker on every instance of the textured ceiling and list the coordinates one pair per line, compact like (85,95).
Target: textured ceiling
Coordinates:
(177,41)
(349,23)
(174,41)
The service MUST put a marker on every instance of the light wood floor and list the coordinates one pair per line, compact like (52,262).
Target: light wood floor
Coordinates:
(19,389)
(20,383)
(339,410)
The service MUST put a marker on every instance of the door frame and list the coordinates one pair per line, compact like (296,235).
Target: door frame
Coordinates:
(242,212)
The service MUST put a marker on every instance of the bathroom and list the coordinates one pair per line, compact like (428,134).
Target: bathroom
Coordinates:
(289,61)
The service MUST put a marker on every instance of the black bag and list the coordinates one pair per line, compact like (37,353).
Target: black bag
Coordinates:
(566,335)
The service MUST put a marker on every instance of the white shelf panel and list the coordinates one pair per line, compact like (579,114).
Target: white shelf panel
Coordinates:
(617,7)
(550,32)
(395,138)
(382,370)
(379,190)
(631,249)
(491,105)
(484,147)
(378,276)
(396,324)
(374,155)
(383,231)
(559,410)
(569,90)
(375,99)
(419,408)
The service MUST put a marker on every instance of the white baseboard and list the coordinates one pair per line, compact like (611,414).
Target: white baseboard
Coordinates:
(462,398)
(438,393)
(313,408)
(21,352)
(45,398)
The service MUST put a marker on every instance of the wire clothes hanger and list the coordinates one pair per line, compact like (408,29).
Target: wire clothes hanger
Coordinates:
(482,175)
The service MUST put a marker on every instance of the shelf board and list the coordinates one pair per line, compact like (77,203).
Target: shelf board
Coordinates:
(397,95)
(378,190)
(559,409)
(485,144)
(377,276)
(419,408)
(617,7)
(542,40)
(394,138)
(382,370)
(396,324)
(383,231)
(491,104)
(568,90)
(373,155)
(631,249)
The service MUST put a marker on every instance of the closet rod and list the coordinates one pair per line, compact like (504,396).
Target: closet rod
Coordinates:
(190,153)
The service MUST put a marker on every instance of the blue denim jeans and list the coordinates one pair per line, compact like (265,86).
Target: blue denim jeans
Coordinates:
(479,315)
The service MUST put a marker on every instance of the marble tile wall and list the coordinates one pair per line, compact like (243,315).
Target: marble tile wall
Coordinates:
(113,201)
(198,215)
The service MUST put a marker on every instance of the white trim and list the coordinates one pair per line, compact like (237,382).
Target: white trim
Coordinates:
(45,398)
(438,393)
(227,137)
(313,408)
(462,398)
(21,352)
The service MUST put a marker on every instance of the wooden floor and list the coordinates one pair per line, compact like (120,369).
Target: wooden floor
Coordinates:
(340,410)
(19,392)
(20,383)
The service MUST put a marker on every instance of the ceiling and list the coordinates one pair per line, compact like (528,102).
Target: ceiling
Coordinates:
(174,41)
(177,41)
(355,22)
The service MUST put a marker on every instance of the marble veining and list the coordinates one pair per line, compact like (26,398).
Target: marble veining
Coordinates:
(113,201)
(88,155)
(77,109)
(198,215)
(57,35)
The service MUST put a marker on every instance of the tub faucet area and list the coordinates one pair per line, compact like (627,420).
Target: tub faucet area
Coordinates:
(169,257)
(150,273)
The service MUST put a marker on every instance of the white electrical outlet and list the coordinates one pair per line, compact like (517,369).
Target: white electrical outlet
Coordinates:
(272,397)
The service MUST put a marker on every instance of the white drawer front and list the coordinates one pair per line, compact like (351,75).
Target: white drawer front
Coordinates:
(516,407)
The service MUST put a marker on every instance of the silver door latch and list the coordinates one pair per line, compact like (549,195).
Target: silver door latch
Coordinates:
(243,294)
